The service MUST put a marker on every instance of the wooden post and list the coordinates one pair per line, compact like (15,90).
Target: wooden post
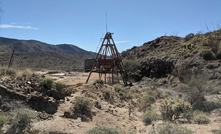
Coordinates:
(10,62)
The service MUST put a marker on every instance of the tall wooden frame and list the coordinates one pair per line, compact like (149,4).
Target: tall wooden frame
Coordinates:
(108,60)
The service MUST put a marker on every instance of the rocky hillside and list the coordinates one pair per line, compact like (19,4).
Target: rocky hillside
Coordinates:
(171,54)
(27,46)
(38,55)
(45,60)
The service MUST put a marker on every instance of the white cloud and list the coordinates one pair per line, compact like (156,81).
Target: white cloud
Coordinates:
(13,26)
(122,41)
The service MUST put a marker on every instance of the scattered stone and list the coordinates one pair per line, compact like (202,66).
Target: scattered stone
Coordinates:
(97,105)
(68,114)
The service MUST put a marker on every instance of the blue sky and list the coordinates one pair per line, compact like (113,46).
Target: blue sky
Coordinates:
(83,22)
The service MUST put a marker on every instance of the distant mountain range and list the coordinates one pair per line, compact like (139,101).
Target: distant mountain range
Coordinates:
(38,55)
(28,46)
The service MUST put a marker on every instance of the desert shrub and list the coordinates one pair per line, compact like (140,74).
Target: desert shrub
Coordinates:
(47,83)
(118,88)
(216,131)
(131,65)
(194,88)
(2,122)
(218,55)
(168,128)
(172,108)
(21,119)
(100,81)
(151,92)
(25,74)
(7,72)
(145,102)
(201,119)
(150,116)
(206,106)
(82,106)
(59,86)
(102,130)
(189,36)
(207,55)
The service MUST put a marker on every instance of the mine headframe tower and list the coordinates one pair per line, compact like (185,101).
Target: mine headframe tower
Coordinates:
(108,60)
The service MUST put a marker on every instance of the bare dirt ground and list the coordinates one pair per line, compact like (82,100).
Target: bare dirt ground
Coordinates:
(113,111)
(110,115)
(74,78)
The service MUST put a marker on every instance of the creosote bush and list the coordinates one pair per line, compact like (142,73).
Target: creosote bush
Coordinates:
(201,119)
(168,128)
(150,116)
(172,108)
(145,102)
(208,55)
(20,119)
(47,83)
(82,107)
(102,130)
(59,86)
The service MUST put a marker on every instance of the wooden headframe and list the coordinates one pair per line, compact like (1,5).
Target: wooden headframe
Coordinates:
(108,60)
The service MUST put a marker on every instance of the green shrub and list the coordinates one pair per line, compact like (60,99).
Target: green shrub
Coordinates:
(20,119)
(201,119)
(146,102)
(170,129)
(59,86)
(216,131)
(218,55)
(2,122)
(172,108)
(47,83)
(207,55)
(7,72)
(83,103)
(118,88)
(150,116)
(100,81)
(206,106)
(82,106)
(131,65)
(102,130)
(189,36)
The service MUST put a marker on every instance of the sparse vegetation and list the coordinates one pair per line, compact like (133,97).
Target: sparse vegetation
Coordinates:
(172,108)
(82,108)
(145,103)
(201,119)
(20,120)
(206,106)
(47,83)
(59,86)
(2,122)
(216,131)
(168,128)
(195,88)
(150,116)
(7,72)
(100,81)
(207,55)
(102,130)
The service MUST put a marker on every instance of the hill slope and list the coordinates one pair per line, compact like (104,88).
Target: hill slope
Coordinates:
(27,46)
